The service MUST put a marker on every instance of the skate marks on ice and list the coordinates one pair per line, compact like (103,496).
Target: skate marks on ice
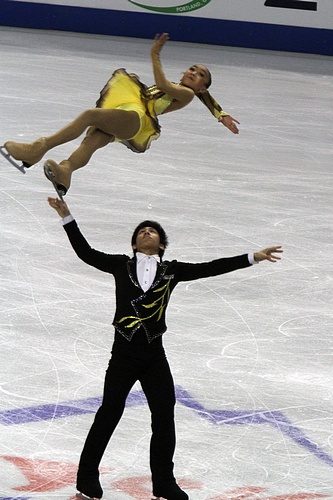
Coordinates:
(43,476)
(57,480)
(274,418)
(245,201)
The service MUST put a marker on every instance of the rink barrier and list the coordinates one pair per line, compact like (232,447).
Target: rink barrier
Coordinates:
(183,28)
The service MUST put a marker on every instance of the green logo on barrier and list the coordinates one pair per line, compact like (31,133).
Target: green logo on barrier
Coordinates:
(181,9)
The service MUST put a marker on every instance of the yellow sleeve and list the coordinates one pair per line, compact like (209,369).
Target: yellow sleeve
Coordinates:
(208,100)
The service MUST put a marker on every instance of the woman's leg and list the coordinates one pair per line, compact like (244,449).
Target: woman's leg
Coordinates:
(95,139)
(115,122)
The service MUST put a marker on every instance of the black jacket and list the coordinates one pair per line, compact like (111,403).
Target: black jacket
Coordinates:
(134,307)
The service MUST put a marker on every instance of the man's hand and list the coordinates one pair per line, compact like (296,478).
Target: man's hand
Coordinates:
(60,206)
(268,254)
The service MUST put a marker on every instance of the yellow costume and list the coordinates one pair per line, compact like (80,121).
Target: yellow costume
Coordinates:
(126,91)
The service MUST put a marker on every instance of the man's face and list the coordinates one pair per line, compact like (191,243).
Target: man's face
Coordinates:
(148,241)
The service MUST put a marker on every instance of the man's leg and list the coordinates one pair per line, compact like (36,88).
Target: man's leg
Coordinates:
(157,384)
(119,379)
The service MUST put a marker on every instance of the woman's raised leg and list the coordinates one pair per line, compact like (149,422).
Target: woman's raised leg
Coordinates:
(95,139)
(116,122)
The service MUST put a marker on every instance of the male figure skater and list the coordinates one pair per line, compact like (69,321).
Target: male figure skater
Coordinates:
(144,283)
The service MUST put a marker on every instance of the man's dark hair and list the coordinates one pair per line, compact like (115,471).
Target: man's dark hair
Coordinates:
(151,223)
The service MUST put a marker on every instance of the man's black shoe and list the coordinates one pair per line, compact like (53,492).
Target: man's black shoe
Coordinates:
(170,491)
(90,487)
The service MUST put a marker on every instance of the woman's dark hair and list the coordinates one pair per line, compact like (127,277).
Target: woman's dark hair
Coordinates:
(151,223)
(209,79)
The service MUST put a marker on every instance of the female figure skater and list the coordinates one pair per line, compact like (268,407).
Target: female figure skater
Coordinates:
(126,112)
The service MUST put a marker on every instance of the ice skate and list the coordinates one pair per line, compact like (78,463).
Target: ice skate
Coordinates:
(91,486)
(59,176)
(171,497)
(169,491)
(82,496)
(5,154)
(27,153)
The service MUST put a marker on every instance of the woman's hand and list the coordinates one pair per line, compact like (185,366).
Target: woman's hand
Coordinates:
(159,42)
(229,122)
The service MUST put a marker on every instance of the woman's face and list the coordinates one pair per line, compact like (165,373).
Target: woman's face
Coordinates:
(197,77)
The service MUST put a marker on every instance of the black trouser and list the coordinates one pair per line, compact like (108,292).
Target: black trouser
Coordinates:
(153,372)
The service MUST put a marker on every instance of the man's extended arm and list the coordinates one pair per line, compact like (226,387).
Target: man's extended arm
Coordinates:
(100,260)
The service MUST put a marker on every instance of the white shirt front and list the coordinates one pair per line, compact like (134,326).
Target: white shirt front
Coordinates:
(146,266)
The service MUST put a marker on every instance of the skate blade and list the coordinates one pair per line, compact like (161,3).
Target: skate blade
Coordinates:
(5,154)
(50,176)
(82,496)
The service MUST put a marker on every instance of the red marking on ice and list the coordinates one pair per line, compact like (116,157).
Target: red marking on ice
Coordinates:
(297,496)
(253,492)
(43,475)
(139,488)
(240,493)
